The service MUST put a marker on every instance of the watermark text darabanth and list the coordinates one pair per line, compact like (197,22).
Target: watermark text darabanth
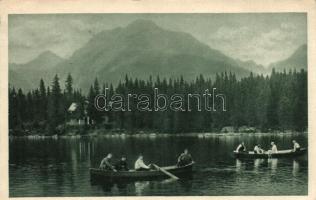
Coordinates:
(156,101)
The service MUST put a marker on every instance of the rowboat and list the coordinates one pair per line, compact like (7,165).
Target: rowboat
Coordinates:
(279,154)
(105,175)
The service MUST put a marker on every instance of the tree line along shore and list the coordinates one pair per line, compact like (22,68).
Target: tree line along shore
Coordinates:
(256,103)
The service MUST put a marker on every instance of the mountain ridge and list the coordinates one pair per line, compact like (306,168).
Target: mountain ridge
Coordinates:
(140,49)
(297,60)
(45,59)
(27,75)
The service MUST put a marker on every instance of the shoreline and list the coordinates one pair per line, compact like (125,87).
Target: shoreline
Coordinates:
(141,134)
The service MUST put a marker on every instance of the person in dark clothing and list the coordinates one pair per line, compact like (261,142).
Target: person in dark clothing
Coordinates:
(184,159)
(106,163)
(122,165)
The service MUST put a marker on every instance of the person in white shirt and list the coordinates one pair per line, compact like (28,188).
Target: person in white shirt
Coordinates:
(241,147)
(296,146)
(274,148)
(140,165)
(258,149)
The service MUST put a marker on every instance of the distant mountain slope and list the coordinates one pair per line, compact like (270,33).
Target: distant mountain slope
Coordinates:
(28,75)
(298,60)
(44,61)
(139,50)
(252,66)
(18,80)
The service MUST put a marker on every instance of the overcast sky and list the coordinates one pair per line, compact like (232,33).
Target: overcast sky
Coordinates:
(264,38)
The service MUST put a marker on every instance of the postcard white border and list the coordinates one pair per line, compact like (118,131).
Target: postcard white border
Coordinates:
(157,6)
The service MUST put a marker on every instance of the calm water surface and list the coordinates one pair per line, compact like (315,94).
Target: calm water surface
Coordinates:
(60,167)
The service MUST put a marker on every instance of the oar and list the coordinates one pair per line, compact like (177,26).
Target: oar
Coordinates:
(166,172)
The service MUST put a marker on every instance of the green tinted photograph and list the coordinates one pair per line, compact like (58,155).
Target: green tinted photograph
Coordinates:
(195,104)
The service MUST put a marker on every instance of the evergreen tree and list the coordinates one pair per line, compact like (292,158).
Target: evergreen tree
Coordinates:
(43,101)
(56,110)
(68,85)
(275,102)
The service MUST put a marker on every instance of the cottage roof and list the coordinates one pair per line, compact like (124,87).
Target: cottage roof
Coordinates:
(73,107)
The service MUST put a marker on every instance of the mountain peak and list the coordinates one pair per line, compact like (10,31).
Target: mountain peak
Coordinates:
(142,24)
(140,49)
(48,54)
(43,61)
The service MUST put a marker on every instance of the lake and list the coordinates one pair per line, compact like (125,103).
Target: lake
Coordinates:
(60,167)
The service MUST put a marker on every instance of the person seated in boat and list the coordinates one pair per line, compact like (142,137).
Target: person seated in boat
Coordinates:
(258,149)
(140,165)
(122,165)
(273,149)
(106,163)
(185,158)
(296,146)
(241,147)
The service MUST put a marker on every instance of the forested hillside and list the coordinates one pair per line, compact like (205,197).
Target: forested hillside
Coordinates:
(268,103)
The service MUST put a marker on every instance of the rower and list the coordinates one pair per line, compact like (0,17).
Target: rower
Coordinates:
(241,147)
(258,149)
(106,163)
(296,146)
(121,165)
(185,158)
(274,148)
(140,165)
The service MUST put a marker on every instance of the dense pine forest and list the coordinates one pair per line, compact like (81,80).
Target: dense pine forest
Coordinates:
(277,102)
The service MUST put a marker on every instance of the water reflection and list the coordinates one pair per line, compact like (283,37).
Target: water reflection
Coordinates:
(273,164)
(296,167)
(257,163)
(239,165)
(107,186)
(36,170)
(122,185)
(186,183)
(140,186)
(169,180)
